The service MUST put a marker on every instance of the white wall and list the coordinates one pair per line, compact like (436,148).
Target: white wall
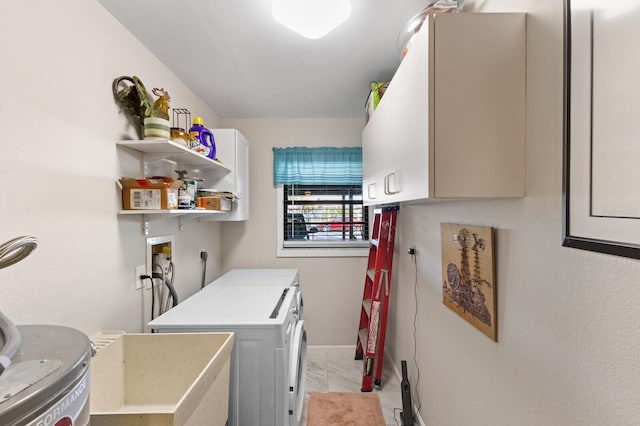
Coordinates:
(332,287)
(60,164)
(568,322)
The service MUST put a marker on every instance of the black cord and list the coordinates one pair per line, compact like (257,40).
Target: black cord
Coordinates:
(153,297)
(395,413)
(415,336)
(204,256)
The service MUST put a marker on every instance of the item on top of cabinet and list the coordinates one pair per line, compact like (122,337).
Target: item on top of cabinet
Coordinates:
(134,96)
(202,140)
(413,25)
(376,91)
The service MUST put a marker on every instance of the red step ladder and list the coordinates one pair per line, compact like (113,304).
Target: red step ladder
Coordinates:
(375,299)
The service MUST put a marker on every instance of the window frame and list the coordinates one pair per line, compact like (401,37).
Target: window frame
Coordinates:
(313,249)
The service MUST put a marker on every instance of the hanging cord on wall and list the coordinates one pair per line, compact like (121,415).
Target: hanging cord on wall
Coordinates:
(415,332)
(153,297)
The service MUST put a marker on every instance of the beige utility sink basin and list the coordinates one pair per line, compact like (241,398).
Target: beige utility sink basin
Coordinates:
(162,379)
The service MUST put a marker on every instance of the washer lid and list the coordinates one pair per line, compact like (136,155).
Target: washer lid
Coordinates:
(258,278)
(49,360)
(228,306)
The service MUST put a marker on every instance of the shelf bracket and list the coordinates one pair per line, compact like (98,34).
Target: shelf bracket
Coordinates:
(180,223)
(145,225)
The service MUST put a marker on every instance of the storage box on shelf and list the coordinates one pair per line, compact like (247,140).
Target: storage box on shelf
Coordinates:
(221,203)
(452,122)
(149,194)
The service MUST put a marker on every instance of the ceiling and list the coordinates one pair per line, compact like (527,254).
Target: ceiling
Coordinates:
(243,64)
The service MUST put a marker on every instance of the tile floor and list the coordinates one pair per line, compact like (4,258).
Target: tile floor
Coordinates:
(333,369)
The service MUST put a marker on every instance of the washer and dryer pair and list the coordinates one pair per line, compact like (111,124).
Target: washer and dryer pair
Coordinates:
(264,308)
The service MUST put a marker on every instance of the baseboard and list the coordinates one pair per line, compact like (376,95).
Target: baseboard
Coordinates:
(332,347)
(399,375)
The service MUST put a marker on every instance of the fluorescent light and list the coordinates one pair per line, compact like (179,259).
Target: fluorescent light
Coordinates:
(311,18)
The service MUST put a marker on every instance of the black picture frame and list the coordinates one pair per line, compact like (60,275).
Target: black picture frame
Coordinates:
(592,234)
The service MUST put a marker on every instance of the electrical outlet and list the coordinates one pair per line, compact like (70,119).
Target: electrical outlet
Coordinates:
(200,253)
(140,270)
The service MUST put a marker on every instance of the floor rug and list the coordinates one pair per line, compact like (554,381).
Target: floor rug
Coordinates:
(344,408)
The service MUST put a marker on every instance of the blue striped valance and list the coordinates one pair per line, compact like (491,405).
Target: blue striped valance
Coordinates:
(317,166)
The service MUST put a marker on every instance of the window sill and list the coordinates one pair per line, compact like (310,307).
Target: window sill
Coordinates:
(322,252)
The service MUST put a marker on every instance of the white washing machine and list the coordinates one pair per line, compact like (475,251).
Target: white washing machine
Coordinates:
(268,362)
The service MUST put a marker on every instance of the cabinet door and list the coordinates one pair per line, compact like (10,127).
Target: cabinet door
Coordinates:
(233,150)
(226,153)
(372,165)
(242,178)
(479,94)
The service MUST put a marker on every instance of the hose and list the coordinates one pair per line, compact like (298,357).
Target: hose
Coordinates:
(16,249)
(172,290)
(166,277)
(12,252)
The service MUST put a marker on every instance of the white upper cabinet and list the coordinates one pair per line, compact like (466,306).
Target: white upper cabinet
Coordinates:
(452,122)
(232,149)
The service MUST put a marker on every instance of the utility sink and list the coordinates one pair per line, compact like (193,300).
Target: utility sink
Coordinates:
(161,380)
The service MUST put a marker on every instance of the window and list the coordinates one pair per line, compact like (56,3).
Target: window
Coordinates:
(325,214)
(320,206)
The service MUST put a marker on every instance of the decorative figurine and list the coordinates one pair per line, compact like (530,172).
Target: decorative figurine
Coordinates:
(161,105)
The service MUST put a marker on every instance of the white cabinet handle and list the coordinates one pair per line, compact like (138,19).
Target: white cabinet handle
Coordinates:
(371,191)
(390,184)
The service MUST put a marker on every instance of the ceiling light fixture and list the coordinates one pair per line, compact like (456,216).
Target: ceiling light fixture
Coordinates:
(311,18)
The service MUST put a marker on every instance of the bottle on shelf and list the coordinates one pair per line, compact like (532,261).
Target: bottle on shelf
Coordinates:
(201,139)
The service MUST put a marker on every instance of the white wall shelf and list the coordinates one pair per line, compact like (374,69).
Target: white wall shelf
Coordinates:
(180,214)
(160,214)
(163,149)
